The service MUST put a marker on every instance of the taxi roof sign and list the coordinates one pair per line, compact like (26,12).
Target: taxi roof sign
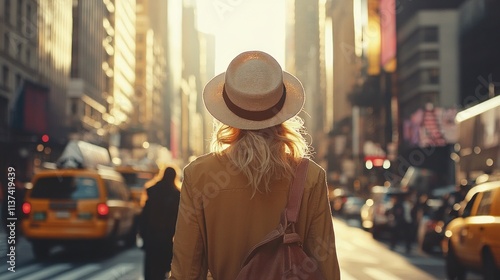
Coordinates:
(80,154)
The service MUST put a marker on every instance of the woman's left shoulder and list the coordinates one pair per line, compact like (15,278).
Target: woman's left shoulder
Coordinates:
(201,162)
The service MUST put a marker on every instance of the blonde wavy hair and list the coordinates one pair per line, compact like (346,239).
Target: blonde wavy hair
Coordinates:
(272,152)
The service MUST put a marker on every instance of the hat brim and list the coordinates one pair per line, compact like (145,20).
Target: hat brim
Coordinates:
(214,102)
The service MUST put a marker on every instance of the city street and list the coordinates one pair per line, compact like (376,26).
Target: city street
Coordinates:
(107,108)
(361,257)
(125,263)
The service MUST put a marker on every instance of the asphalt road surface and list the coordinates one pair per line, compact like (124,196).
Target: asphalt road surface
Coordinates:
(360,256)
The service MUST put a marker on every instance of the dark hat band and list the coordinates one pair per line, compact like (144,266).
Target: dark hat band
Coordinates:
(255,115)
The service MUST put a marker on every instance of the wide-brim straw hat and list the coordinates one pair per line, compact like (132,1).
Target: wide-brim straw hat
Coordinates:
(254,93)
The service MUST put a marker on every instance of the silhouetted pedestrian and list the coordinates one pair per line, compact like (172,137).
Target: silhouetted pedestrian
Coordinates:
(402,226)
(157,225)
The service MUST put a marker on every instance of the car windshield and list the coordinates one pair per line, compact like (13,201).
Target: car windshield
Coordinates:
(136,180)
(355,201)
(381,197)
(65,187)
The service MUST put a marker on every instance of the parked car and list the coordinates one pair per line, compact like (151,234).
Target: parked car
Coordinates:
(72,206)
(472,239)
(352,207)
(373,212)
(430,230)
(439,214)
(338,198)
(135,180)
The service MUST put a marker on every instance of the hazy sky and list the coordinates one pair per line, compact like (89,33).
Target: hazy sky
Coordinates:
(241,25)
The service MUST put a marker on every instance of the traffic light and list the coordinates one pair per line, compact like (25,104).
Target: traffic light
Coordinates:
(45,138)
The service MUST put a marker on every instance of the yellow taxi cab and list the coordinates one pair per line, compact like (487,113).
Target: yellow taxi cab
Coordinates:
(73,205)
(472,239)
(66,206)
(136,180)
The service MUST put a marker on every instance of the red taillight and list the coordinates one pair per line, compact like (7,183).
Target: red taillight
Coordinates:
(102,210)
(431,225)
(26,208)
(380,210)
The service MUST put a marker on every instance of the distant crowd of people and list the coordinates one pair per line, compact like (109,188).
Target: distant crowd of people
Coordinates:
(410,212)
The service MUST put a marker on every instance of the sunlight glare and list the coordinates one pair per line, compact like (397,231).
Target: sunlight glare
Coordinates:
(243,25)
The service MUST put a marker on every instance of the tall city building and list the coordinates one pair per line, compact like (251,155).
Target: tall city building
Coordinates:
(428,59)
(159,23)
(428,87)
(55,24)
(346,64)
(360,137)
(343,77)
(304,54)
(207,72)
(174,75)
(35,63)
(18,54)
(193,126)
(123,21)
(147,130)
(89,119)
(120,69)
(479,55)
(479,140)
(19,63)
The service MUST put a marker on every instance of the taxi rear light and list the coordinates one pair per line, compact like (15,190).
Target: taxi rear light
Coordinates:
(102,210)
(380,210)
(26,208)
(431,225)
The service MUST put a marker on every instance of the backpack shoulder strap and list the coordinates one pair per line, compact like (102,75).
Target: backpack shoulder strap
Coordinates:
(296,191)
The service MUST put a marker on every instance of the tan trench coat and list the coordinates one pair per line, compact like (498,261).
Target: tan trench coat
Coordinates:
(219,222)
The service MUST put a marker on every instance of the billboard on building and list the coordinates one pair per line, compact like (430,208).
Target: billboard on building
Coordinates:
(430,127)
(388,35)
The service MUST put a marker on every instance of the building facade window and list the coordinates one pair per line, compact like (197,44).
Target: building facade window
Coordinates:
(18,81)
(28,57)
(430,34)
(20,4)
(430,55)
(429,97)
(19,51)
(5,76)
(28,11)
(74,107)
(430,76)
(411,83)
(4,105)
(6,12)
(6,42)
(417,58)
